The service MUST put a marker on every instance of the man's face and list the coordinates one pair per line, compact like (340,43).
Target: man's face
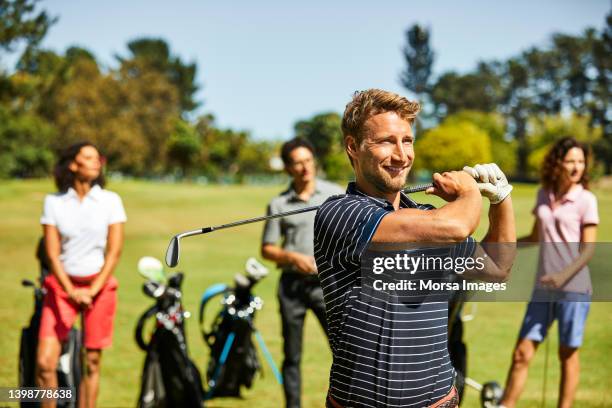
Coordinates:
(386,153)
(301,166)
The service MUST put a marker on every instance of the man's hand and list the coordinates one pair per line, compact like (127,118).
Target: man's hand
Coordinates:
(450,185)
(303,263)
(492,182)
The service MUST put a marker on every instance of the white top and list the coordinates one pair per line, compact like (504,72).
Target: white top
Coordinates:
(83,226)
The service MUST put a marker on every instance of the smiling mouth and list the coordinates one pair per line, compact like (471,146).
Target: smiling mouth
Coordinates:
(395,170)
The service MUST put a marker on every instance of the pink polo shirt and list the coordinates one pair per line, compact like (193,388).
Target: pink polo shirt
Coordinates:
(560,231)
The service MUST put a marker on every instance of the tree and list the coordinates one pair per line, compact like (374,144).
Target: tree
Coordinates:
(419,59)
(150,104)
(20,23)
(599,107)
(570,75)
(480,90)
(154,54)
(452,146)
(184,148)
(324,132)
(254,158)
(503,151)
(24,145)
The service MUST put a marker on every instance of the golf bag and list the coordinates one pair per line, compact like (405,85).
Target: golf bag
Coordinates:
(456,347)
(490,392)
(69,366)
(233,359)
(169,377)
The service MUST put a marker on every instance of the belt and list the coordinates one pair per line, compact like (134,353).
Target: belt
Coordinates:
(450,400)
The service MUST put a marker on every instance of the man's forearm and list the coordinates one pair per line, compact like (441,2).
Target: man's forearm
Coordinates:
(501,223)
(276,254)
(500,241)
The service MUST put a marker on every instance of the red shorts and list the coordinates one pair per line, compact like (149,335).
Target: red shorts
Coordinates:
(59,313)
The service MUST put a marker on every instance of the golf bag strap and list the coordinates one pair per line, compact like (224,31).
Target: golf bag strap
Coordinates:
(140,325)
(211,292)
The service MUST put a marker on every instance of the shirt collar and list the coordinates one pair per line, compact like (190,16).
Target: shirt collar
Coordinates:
(405,201)
(293,196)
(571,195)
(94,193)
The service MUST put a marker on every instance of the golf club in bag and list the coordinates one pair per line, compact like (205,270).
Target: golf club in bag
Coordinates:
(233,359)
(169,377)
(69,367)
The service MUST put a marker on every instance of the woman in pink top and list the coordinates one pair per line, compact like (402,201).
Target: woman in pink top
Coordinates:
(566,227)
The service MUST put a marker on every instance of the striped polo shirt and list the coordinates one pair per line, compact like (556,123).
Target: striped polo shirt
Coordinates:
(387,352)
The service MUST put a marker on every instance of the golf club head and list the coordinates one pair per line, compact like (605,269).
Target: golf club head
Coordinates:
(172,254)
(152,269)
(491,394)
(153,289)
(27,283)
(255,269)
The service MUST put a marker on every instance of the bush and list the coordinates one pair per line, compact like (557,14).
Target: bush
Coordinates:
(24,145)
(452,146)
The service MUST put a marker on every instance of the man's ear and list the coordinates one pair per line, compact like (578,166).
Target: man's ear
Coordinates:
(351,146)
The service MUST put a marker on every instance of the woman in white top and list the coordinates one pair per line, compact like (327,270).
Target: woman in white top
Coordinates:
(83,231)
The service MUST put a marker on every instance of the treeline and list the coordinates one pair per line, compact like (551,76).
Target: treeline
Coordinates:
(511,111)
(140,110)
(137,110)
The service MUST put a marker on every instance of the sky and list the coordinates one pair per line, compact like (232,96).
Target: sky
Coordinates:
(263,65)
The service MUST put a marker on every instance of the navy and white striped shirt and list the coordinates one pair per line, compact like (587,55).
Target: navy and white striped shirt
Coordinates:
(386,352)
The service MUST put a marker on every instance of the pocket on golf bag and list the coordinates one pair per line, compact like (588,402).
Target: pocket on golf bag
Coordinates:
(170,378)
(242,362)
(152,392)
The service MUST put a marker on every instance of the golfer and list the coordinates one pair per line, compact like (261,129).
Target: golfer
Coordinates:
(566,227)
(395,354)
(299,288)
(83,233)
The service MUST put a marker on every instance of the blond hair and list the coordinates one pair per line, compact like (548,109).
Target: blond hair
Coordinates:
(371,102)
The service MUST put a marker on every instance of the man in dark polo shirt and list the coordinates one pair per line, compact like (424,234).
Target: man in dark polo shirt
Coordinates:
(299,288)
(390,353)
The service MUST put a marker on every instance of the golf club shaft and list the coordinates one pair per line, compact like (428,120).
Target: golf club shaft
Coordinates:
(262,218)
(414,189)
(173,252)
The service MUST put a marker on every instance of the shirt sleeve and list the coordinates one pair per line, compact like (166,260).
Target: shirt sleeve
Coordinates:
(539,200)
(464,249)
(591,214)
(117,212)
(272,228)
(48,215)
(344,228)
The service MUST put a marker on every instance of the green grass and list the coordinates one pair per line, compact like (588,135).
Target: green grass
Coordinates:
(157,211)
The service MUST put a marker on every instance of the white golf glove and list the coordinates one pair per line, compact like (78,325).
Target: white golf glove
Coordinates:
(492,182)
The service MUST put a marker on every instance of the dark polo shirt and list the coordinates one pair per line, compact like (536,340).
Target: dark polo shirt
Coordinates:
(386,353)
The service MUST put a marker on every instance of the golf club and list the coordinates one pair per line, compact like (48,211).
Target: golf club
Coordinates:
(172,254)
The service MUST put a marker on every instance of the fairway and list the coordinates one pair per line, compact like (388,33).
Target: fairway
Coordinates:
(156,211)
